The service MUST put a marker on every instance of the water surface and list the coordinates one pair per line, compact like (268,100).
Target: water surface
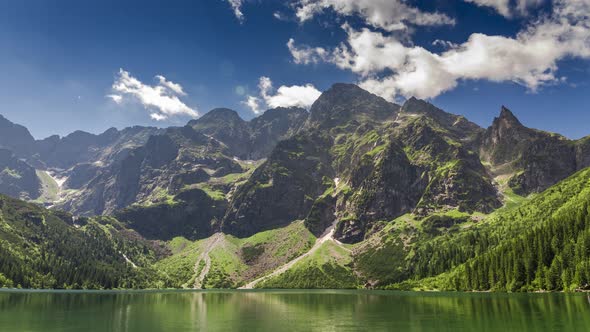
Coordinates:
(291,311)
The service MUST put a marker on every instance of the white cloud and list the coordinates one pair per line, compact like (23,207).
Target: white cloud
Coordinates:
(171,85)
(444,43)
(305,54)
(285,96)
(236,6)
(253,104)
(157,116)
(388,67)
(162,99)
(501,6)
(390,15)
(508,8)
(116,98)
(290,96)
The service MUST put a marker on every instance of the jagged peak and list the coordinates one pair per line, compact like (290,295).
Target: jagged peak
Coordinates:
(111,130)
(456,123)
(506,117)
(109,133)
(15,126)
(79,134)
(221,112)
(345,86)
(279,110)
(345,91)
(53,138)
(415,105)
(215,115)
(345,94)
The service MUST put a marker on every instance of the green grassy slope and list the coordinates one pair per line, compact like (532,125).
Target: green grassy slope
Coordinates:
(233,260)
(328,267)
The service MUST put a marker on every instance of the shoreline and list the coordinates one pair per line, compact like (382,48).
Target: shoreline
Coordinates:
(273,290)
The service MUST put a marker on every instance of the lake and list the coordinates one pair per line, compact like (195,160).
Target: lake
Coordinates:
(296,310)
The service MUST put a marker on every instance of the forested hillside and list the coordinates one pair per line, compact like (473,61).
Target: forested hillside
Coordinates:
(50,249)
(542,245)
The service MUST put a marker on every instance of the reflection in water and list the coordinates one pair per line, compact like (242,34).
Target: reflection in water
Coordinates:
(291,311)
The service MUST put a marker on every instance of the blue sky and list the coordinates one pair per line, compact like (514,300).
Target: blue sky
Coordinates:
(92,65)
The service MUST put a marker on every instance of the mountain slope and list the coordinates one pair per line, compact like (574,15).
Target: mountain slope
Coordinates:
(532,160)
(17,178)
(546,246)
(16,138)
(45,249)
(381,161)
(84,148)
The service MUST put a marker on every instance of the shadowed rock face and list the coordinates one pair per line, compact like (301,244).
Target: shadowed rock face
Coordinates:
(507,139)
(226,126)
(538,159)
(16,138)
(582,148)
(282,189)
(193,216)
(456,125)
(273,126)
(300,169)
(387,185)
(17,178)
(253,139)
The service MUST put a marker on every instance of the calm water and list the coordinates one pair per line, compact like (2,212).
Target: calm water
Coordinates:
(291,311)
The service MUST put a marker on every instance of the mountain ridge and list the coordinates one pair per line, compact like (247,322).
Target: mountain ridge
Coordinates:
(380,178)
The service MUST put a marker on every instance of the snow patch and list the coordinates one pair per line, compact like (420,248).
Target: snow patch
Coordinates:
(60,180)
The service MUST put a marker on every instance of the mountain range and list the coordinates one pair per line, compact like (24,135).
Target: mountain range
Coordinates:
(356,192)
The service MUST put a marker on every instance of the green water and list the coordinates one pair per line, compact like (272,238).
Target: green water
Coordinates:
(291,311)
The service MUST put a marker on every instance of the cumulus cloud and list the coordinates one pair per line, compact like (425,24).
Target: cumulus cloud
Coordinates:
(508,8)
(285,96)
(176,88)
(305,54)
(162,99)
(236,6)
(390,15)
(253,104)
(158,116)
(388,67)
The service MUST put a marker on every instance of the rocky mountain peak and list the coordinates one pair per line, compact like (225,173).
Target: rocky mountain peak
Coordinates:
(110,133)
(225,113)
(415,105)
(342,94)
(343,103)
(507,128)
(506,138)
(16,138)
(507,119)
(457,124)
(280,112)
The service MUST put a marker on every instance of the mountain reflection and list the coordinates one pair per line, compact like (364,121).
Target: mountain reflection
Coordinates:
(290,311)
